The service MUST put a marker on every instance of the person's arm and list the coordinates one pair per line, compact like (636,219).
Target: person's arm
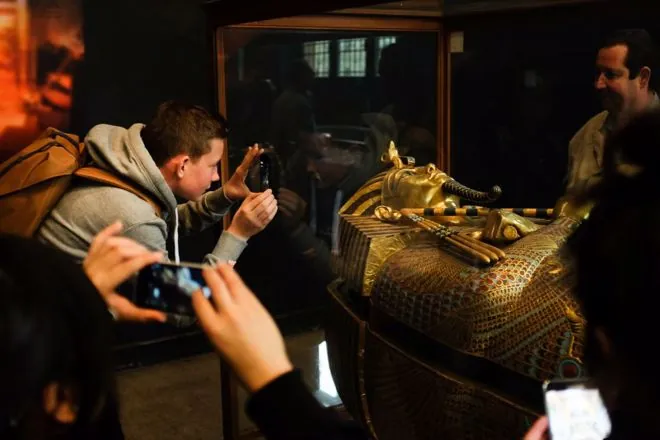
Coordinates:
(241,329)
(113,259)
(571,172)
(197,215)
(228,248)
(286,409)
(254,214)
(256,211)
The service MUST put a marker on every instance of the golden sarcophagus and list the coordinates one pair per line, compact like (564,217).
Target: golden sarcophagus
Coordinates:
(446,320)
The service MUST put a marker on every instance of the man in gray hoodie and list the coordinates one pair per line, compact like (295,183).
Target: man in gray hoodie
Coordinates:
(175,155)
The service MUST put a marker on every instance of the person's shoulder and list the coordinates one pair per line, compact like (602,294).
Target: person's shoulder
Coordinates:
(100,129)
(595,123)
(599,119)
(105,201)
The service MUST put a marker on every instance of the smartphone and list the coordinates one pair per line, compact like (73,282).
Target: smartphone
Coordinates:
(265,172)
(575,410)
(169,287)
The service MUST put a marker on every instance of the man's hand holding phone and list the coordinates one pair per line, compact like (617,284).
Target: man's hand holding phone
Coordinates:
(254,214)
(235,188)
(111,260)
(575,410)
(241,329)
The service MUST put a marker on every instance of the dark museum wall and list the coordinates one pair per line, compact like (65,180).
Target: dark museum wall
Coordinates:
(138,54)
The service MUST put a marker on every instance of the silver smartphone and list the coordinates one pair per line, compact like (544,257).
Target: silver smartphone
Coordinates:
(575,410)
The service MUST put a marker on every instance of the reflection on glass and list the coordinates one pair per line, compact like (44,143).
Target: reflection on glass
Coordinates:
(383,42)
(352,57)
(317,55)
(326,383)
(522,87)
(327,104)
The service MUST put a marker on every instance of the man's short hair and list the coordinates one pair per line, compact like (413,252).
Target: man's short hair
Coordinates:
(179,128)
(641,49)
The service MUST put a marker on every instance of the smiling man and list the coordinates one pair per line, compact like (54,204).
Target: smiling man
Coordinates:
(175,155)
(623,81)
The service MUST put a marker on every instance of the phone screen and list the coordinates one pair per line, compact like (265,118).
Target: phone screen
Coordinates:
(169,287)
(576,411)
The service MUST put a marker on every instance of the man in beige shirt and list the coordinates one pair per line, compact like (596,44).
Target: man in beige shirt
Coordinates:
(623,77)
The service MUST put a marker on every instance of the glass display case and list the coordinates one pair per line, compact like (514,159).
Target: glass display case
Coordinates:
(326,93)
(491,93)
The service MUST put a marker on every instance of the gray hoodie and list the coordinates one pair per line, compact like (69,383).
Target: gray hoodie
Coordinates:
(88,208)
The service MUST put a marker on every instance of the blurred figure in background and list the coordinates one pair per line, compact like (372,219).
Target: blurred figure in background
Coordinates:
(293,111)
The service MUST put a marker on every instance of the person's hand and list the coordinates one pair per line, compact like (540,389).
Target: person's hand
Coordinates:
(235,188)
(254,214)
(241,329)
(111,260)
(539,430)
(292,207)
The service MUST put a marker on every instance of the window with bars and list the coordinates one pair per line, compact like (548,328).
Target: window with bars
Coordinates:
(382,43)
(352,57)
(317,55)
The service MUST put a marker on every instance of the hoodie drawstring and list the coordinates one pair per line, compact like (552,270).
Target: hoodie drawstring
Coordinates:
(176,236)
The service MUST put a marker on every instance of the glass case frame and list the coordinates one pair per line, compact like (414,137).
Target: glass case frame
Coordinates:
(364,20)
(445,20)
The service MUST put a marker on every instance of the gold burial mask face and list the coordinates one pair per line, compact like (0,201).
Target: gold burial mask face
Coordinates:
(417,187)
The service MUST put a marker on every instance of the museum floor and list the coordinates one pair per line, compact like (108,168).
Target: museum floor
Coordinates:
(180,400)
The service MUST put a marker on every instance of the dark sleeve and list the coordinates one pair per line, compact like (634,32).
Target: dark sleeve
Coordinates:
(286,409)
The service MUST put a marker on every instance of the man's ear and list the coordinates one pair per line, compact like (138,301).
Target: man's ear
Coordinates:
(644,77)
(177,165)
(60,404)
(182,164)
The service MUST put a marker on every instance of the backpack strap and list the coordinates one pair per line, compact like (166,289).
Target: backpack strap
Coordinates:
(101,176)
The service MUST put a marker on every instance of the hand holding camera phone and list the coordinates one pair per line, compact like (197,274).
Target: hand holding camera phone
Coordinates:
(265,172)
(169,287)
(575,410)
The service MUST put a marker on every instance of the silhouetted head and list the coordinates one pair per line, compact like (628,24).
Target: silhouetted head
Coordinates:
(617,262)
(301,75)
(56,372)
